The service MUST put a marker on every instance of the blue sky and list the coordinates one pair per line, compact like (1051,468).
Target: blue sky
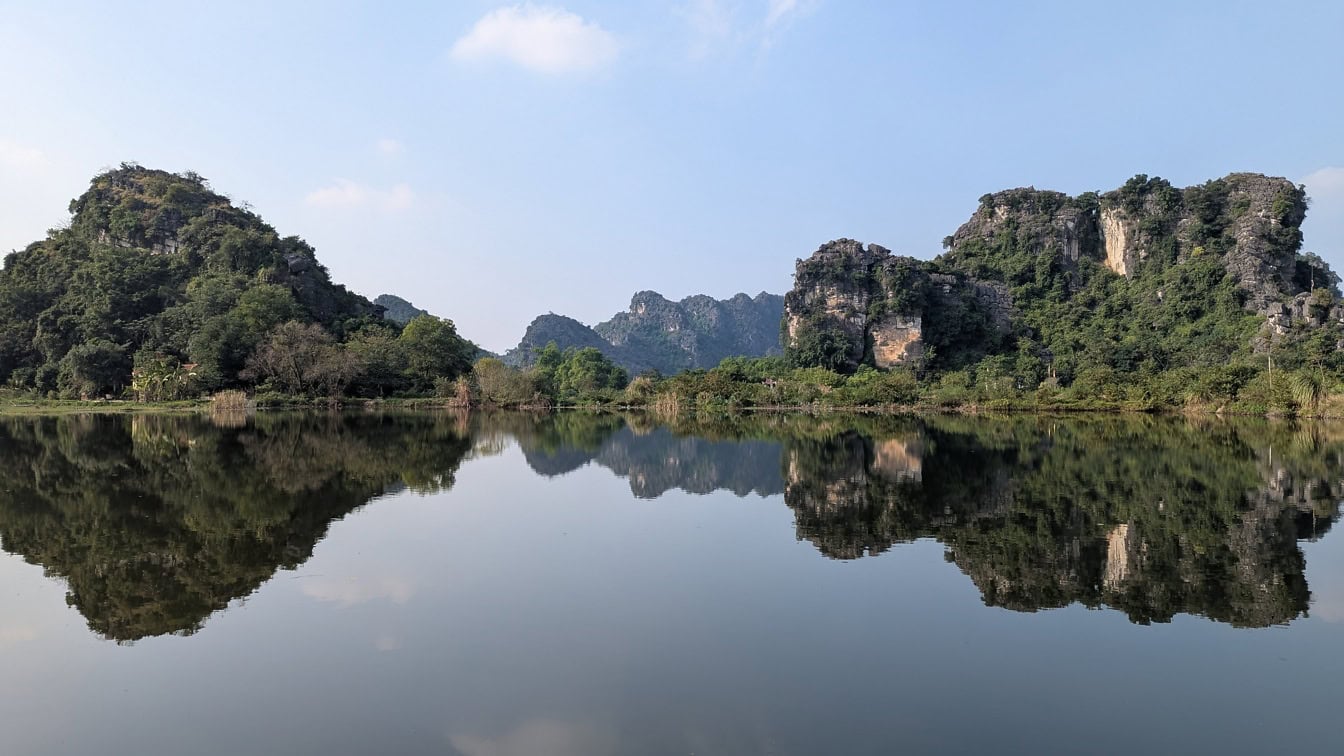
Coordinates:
(493,161)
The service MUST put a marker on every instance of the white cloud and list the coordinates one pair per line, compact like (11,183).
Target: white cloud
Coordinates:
(344,193)
(20,157)
(1323,231)
(541,39)
(388,147)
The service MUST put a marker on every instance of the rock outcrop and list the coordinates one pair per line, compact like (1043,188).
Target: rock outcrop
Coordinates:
(853,304)
(1011,270)
(1252,223)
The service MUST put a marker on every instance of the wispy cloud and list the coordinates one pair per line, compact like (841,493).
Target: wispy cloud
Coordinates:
(778,11)
(388,147)
(724,24)
(779,15)
(15,156)
(344,193)
(541,39)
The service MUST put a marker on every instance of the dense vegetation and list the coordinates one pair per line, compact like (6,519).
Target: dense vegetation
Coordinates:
(161,288)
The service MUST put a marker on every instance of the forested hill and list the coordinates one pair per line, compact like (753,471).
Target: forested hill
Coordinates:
(669,337)
(159,276)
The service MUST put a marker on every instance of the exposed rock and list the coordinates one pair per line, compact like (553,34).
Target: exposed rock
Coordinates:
(898,340)
(1252,222)
(1050,222)
(854,305)
(697,332)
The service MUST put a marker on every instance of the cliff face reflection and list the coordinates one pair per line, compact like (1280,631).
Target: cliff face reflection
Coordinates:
(1151,517)
(154,523)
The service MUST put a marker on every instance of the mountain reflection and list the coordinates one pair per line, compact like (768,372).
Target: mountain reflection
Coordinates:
(1151,517)
(156,522)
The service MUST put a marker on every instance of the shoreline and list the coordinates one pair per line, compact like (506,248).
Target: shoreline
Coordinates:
(55,407)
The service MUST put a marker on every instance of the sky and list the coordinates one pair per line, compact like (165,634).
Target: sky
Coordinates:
(495,161)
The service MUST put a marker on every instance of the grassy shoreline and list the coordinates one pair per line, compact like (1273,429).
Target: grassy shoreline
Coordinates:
(16,406)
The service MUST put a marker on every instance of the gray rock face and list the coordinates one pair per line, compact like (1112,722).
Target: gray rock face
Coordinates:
(697,332)
(1249,221)
(1051,222)
(1257,228)
(854,305)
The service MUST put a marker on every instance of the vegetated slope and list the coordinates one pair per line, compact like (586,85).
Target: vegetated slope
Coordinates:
(156,263)
(1041,286)
(659,334)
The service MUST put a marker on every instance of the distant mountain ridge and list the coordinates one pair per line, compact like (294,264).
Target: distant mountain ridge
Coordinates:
(397,309)
(659,334)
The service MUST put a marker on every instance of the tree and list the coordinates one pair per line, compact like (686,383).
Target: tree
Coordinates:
(384,359)
(434,350)
(92,369)
(586,374)
(303,359)
(503,385)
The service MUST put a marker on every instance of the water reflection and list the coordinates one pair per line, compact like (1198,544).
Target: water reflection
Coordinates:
(1149,516)
(156,522)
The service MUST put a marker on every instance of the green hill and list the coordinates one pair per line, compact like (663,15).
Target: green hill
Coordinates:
(157,264)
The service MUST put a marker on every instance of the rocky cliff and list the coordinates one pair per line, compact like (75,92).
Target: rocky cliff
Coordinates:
(659,334)
(1251,223)
(1076,282)
(852,305)
(697,332)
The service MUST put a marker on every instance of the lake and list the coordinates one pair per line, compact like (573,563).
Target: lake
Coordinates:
(490,585)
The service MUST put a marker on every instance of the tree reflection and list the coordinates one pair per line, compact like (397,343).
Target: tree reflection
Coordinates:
(156,522)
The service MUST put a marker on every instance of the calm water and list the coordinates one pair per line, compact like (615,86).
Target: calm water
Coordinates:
(490,586)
